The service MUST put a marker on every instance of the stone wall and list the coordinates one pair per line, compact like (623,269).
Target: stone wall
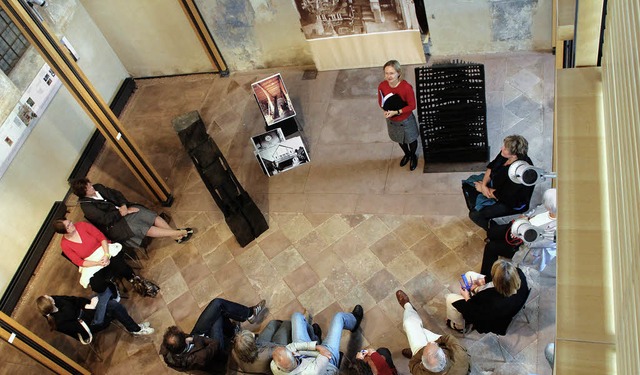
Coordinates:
(461,27)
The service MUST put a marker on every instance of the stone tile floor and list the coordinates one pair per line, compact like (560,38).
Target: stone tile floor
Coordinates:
(349,227)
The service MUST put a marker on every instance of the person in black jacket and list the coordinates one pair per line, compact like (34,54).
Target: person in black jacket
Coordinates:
(66,313)
(121,220)
(498,299)
(499,195)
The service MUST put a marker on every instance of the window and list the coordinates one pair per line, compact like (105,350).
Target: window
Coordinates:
(12,43)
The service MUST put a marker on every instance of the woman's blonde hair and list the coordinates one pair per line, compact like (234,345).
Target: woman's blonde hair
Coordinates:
(517,145)
(505,277)
(395,65)
(46,308)
(244,346)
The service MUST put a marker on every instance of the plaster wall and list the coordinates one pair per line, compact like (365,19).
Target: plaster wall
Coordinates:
(484,26)
(256,34)
(38,174)
(150,37)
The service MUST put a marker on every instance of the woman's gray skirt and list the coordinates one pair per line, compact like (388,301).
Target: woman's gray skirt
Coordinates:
(140,222)
(405,131)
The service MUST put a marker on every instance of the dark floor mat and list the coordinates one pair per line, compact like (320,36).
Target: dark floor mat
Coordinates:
(480,166)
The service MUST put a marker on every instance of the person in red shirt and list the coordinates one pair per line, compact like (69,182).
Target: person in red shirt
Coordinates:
(80,241)
(397,99)
(371,361)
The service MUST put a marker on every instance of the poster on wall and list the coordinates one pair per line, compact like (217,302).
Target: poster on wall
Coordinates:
(23,117)
(273,99)
(277,155)
(332,18)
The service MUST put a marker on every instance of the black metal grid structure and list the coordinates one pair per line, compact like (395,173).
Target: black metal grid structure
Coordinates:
(452,112)
(12,43)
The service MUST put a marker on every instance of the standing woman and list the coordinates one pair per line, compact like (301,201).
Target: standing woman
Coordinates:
(396,98)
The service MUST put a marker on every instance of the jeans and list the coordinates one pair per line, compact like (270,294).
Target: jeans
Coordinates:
(216,315)
(118,312)
(101,307)
(417,335)
(332,342)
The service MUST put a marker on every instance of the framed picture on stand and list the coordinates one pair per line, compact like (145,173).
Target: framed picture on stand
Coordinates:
(273,99)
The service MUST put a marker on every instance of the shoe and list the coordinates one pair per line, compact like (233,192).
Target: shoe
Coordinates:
(452,325)
(257,310)
(145,324)
(405,160)
(144,331)
(318,332)
(402,297)
(406,352)
(414,162)
(186,237)
(358,312)
(189,230)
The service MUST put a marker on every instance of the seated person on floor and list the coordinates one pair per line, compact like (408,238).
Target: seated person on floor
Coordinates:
(371,361)
(205,347)
(430,353)
(253,355)
(99,261)
(493,194)
(64,314)
(305,355)
(500,241)
(489,306)
(121,220)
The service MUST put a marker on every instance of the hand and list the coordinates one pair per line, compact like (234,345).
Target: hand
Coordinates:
(360,355)
(478,186)
(465,293)
(104,261)
(133,210)
(388,114)
(123,210)
(324,351)
(490,192)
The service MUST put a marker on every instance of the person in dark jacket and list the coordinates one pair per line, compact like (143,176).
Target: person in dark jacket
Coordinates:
(495,303)
(121,220)
(66,313)
(493,194)
(205,348)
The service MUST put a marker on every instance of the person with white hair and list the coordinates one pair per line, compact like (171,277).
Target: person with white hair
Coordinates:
(501,243)
(430,353)
(306,357)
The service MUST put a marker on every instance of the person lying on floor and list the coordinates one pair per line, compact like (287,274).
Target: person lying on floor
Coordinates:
(121,220)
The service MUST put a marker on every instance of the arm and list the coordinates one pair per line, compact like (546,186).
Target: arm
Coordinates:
(409,97)
(103,214)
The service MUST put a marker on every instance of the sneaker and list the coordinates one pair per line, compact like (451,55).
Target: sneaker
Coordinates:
(145,324)
(358,312)
(257,310)
(143,331)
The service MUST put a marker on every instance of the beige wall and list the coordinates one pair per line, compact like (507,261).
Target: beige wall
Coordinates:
(37,176)
(150,37)
(484,26)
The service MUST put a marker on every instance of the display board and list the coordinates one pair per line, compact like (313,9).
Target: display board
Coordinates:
(452,112)
(24,116)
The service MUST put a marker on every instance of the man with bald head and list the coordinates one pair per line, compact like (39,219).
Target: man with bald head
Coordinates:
(305,356)
(430,353)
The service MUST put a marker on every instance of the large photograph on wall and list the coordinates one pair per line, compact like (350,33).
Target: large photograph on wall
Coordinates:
(331,18)
(273,99)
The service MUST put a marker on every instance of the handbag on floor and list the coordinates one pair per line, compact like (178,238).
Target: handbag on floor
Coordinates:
(144,287)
